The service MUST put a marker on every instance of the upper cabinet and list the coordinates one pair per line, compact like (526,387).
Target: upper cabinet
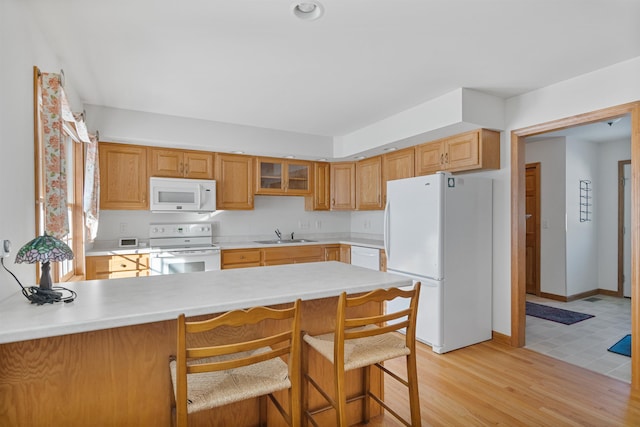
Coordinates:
(478,149)
(320,199)
(234,181)
(123,176)
(397,165)
(180,163)
(283,177)
(343,186)
(369,184)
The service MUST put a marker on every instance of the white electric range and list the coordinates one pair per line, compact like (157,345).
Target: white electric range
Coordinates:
(182,248)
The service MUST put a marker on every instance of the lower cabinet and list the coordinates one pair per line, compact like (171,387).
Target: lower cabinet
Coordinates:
(117,266)
(241,258)
(255,257)
(293,255)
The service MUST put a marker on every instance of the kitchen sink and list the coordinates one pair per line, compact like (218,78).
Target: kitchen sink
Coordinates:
(277,242)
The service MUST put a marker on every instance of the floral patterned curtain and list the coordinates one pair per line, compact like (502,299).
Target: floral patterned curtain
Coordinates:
(56,221)
(91,188)
(56,110)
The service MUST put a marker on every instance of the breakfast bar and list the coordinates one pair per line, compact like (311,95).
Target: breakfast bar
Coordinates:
(103,358)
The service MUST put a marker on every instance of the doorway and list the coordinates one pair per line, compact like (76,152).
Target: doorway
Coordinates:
(518,219)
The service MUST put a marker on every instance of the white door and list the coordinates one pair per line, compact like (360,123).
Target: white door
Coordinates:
(413,226)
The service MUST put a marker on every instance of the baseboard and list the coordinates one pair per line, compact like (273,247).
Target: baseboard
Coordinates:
(500,338)
(581,295)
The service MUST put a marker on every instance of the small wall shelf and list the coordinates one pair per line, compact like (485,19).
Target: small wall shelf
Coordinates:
(586,200)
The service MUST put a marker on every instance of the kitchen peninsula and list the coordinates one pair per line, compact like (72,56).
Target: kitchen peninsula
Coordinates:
(103,359)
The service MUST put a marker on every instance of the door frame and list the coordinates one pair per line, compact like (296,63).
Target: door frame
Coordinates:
(518,226)
(621,230)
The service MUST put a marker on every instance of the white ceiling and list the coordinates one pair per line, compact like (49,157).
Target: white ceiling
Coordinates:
(252,62)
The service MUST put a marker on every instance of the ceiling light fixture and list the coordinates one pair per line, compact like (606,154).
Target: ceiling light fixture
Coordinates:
(390,149)
(309,10)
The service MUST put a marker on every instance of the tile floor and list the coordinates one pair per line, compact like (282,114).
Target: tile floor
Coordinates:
(585,343)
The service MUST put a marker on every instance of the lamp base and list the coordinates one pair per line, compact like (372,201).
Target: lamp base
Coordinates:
(45,277)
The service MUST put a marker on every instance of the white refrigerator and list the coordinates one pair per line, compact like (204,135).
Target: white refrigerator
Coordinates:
(438,230)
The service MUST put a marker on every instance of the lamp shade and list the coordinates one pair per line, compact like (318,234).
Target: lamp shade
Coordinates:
(42,249)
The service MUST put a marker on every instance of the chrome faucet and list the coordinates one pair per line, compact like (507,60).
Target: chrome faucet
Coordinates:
(279,234)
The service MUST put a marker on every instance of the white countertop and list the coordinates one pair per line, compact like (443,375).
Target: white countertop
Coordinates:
(103,304)
(246,244)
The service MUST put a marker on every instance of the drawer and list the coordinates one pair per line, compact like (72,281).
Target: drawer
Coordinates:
(250,256)
(121,263)
(293,253)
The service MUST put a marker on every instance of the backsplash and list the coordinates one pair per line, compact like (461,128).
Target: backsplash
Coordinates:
(285,213)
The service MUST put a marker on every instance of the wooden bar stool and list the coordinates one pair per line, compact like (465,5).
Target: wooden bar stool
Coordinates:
(206,377)
(364,342)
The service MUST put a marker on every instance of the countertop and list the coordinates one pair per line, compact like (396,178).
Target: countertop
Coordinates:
(246,244)
(103,304)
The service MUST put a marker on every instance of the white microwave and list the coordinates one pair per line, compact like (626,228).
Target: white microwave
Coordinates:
(182,195)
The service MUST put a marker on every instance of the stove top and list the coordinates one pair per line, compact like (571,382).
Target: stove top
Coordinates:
(181,236)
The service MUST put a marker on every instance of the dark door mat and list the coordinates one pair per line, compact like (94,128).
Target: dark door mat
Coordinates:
(622,347)
(554,314)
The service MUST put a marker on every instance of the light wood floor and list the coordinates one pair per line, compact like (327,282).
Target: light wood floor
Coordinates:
(495,384)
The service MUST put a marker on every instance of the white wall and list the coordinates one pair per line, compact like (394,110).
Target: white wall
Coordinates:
(285,213)
(137,127)
(606,188)
(582,237)
(551,153)
(22,47)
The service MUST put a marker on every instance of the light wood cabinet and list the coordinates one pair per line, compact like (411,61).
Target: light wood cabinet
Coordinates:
(234,181)
(293,255)
(345,253)
(117,266)
(123,176)
(320,199)
(369,184)
(240,258)
(475,150)
(332,253)
(397,165)
(343,186)
(283,177)
(180,163)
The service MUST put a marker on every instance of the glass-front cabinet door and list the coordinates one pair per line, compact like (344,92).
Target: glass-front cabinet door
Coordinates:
(284,177)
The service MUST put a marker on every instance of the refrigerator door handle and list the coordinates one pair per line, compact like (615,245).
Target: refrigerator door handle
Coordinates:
(387,212)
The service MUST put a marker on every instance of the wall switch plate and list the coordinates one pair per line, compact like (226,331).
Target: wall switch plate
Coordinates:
(5,248)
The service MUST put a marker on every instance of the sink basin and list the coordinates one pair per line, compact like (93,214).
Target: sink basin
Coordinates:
(278,242)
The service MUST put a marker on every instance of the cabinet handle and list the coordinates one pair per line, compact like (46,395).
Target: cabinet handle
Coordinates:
(441,159)
(123,265)
(446,158)
(186,169)
(181,167)
(333,202)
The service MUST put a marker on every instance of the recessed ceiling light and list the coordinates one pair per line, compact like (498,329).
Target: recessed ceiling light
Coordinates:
(309,10)
(290,156)
(322,160)
(238,152)
(359,157)
(390,149)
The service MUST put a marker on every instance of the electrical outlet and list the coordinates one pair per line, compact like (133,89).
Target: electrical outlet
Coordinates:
(5,248)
